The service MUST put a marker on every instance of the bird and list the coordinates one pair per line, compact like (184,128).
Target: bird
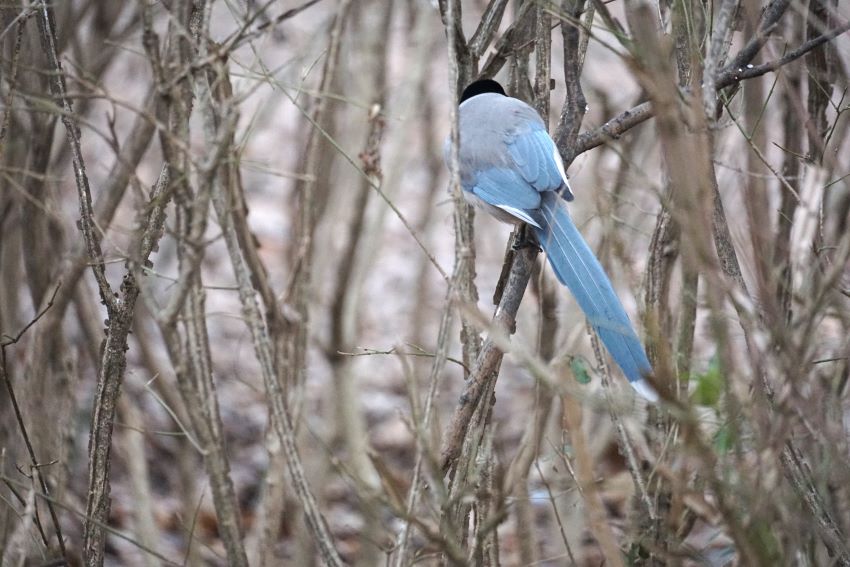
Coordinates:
(510,167)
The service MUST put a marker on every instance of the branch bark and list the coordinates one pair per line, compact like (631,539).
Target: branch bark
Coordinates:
(226,197)
(120,309)
(489,360)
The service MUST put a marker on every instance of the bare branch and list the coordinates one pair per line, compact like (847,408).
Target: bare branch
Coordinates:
(732,74)
(728,76)
(224,199)
(575,105)
(513,37)
(490,358)
(57,88)
(487,27)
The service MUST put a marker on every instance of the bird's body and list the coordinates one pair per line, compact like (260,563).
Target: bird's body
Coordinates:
(510,167)
(515,161)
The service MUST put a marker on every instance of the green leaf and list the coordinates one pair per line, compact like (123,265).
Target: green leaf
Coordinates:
(765,542)
(709,385)
(580,370)
(724,439)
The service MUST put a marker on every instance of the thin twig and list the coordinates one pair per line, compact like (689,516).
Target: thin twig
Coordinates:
(50,500)
(423,425)
(8,341)
(395,350)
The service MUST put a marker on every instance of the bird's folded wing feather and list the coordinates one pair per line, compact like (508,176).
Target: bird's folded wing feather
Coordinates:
(507,190)
(538,161)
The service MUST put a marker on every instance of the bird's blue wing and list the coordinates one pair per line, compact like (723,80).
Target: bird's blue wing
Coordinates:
(500,186)
(534,167)
(538,161)
(508,190)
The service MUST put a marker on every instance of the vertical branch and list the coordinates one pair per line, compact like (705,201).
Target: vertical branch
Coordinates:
(819,79)
(226,197)
(288,319)
(685,214)
(191,354)
(664,252)
(718,49)
(95,219)
(35,465)
(113,364)
(120,309)
(424,457)
(489,360)
(191,358)
(793,137)
(11,79)
(137,464)
(20,232)
(587,485)
(346,311)
(520,48)
(49,42)
(463,279)
(755,196)
(424,412)
(575,105)
(543,62)
(516,481)
(460,72)
(728,264)
(201,400)
(295,328)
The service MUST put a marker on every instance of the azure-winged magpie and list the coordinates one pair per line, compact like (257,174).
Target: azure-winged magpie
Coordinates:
(510,167)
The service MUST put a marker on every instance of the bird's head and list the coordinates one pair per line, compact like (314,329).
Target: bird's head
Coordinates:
(480,87)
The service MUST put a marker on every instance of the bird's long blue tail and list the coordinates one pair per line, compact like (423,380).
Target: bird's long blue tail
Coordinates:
(576,267)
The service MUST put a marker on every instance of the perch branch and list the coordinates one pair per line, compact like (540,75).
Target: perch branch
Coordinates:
(490,357)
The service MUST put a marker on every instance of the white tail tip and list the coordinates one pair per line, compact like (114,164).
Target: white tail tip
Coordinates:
(645,389)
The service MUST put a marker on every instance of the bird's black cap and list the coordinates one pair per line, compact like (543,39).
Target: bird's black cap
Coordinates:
(481,87)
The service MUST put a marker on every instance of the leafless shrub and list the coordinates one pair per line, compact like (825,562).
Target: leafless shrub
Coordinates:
(219,220)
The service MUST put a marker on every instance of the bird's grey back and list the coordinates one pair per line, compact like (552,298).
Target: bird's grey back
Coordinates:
(488,122)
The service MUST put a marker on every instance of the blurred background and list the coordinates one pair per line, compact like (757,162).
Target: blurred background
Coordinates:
(350,103)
